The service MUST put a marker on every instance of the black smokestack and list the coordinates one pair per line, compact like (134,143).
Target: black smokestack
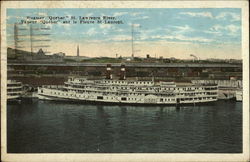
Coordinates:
(123,72)
(108,72)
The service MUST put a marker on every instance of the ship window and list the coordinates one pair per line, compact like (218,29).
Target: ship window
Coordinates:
(161,100)
(123,98)
(99,97)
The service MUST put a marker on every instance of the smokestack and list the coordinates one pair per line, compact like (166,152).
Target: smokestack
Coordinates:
(108,72)
(77,52)
(123,72)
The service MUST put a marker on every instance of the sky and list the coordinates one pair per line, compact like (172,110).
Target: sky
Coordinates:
(167,32)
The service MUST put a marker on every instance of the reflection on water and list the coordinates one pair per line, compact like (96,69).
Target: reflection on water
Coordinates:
(43,126)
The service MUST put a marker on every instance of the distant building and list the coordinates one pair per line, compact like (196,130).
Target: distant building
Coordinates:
(61,54)
(172,58)
(78,51)
(39,55)
(40,52)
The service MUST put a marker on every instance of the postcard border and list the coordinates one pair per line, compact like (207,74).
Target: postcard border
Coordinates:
(128,157)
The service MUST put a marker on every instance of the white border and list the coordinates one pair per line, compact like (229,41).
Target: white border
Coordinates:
(135,156)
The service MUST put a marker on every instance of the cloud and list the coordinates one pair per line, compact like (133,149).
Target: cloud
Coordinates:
(135,25)
(231,15)
(145,17)
(119,14)
(180,37)
(175,38)
(198,14)
(15,17)
(68,14)
(136,13)
(173,33)
(217,33)
(105,26)
(183,29)
(42,14)
(91,31)
(230,28)
(193,39)
(219,30)
(65,26)
(121,38)
(89,14)
(119,30)
(48,26)
(233,28)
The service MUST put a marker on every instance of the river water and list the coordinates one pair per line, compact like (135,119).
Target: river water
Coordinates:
(35,126)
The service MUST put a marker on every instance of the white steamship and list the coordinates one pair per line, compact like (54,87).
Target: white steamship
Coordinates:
(14,89)
(124,91)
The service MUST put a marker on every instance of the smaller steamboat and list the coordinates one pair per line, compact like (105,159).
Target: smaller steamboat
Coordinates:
(14,90)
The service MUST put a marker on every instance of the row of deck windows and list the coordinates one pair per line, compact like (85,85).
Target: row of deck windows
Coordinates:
(199,98)
(138,94)
(14,85)
(13,94)
(14,90)
(166,99)
(125,88)
(141,88)
(139,82)
(125,98)
(170,94)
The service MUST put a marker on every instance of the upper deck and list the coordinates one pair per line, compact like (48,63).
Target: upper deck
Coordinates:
(132,83)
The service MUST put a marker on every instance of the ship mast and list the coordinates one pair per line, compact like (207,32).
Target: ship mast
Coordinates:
(132,40)
(31,39)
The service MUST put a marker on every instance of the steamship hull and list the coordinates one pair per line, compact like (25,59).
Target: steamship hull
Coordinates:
(52,95)
(128,93)
(98,102)
(239,95)
(124,91)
